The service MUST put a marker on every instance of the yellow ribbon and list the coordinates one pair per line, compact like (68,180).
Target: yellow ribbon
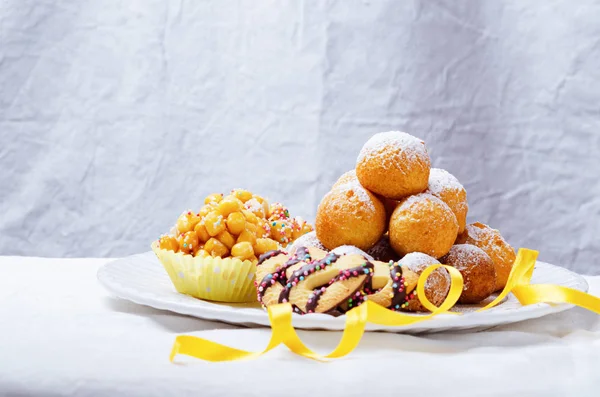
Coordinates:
(283,332)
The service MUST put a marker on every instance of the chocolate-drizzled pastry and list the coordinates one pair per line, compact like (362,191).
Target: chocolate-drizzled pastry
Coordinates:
(392,286)
(271,272)
(316,281)
(311,279)
(322,285)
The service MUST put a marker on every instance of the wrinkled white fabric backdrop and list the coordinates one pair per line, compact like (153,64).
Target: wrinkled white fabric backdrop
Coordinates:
(115,116)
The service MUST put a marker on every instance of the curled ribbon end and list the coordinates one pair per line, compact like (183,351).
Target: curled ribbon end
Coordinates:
(456,287)
(174,350)
(525,257)
(528,253)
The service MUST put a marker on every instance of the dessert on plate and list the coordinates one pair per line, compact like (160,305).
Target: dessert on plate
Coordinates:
(378,228)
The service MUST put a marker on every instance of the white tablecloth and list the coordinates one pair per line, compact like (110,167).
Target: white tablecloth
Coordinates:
(62,334)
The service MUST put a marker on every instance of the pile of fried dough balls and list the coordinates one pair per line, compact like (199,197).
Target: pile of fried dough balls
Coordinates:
(394,204)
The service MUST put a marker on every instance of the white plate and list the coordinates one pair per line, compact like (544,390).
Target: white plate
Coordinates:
(142,279)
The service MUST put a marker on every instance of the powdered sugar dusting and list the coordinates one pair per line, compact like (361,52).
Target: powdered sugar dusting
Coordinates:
(351,250)
(418,261)
(441,180)
(396,141)
(465,254)
(486,237)
(354,188)
(307,240)
(417,199)
(463,257)
(481,233)
(348,175)
(412,203)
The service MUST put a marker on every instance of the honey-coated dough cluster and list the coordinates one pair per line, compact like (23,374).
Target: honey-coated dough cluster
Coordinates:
(240,225)
(396,208)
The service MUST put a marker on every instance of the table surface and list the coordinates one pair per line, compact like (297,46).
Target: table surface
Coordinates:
(62,334)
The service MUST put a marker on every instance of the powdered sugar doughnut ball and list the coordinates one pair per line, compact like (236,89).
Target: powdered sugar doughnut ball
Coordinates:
(351,250)
(423,223)
(350,215)
(493,244)
(477,269)
(307,240)
(447,188)
(393,164)
(348,176)
(438,282)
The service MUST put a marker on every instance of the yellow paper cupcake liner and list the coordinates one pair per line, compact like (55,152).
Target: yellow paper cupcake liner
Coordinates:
(211,278)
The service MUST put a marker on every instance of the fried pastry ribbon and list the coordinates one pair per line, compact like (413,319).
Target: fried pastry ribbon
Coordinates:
(282,331)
